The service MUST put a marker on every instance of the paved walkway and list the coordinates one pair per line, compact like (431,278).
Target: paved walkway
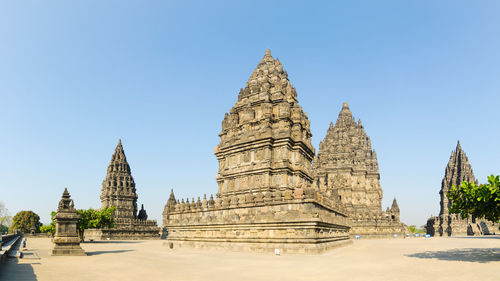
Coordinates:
(474,258)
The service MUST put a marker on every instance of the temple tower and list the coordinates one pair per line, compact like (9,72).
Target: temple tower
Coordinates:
(346,168)
(446,224)
(347,164)
(457,171)
(264,201)
(118,188)
(265,143)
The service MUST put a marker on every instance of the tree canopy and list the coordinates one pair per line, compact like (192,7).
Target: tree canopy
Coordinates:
(94,219)
(49,228)
(480,201)
(25,220)
(89,218)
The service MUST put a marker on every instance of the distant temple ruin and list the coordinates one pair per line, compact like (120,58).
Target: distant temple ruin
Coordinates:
(118,190)
(265,199)
(446,224)
(347,167)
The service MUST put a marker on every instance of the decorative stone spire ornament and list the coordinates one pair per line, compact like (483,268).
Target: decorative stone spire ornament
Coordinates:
(118,188)
(66,239)
(457,171)
(142,214)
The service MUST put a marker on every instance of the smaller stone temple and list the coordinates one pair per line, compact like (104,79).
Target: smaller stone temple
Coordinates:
(118,190)
(66,239)
(346,167)
(457,171)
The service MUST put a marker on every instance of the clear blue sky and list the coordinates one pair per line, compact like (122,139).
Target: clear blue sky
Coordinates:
(75,76)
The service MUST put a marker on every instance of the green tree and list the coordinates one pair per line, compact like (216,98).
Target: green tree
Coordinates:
(480,201)
(24,221)
(89,218)
(50,228)
(414,229)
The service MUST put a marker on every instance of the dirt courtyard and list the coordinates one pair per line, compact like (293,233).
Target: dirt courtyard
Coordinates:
(462,258)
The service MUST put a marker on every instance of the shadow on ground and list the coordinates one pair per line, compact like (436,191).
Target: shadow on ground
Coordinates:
(111,242)
(11,269)
(107,252)
(476,237)
(481,255)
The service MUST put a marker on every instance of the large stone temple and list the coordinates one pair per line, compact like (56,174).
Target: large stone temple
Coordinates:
(458,170)
(347,167)
(118,190)
(265,199)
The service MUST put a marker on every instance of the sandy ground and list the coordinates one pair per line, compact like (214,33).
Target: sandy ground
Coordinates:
(467,258)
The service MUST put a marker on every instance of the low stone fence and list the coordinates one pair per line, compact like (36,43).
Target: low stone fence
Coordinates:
(9,243)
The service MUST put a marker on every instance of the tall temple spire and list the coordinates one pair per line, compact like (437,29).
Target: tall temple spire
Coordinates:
(264,127)
(347,164)
(118,188)
(457,171)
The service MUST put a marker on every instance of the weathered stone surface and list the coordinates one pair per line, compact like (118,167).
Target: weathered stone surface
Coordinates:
(458,170)
(118,190)
(266,139)
(265,199)
(346,168)
(66,239)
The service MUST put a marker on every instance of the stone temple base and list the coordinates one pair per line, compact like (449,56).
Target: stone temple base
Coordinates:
(372,230)
(67,246)
(293,227)
(259,247)
(453,225)
(125,230)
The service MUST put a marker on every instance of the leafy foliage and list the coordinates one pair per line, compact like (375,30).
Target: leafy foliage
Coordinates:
(480,201)
(415,229)
(24,221)
(50,228)
(94,219)
(89,218)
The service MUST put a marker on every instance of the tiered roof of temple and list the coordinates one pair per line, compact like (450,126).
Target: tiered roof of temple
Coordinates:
(457,171)
(265,143)
(118,188)
(347,167)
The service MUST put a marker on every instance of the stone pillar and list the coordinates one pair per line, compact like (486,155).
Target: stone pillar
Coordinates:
(66,239)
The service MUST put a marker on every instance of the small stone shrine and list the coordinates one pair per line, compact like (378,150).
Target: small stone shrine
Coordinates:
(265,199)
(66,239)
(118,189)
(458,170)
(346,167)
